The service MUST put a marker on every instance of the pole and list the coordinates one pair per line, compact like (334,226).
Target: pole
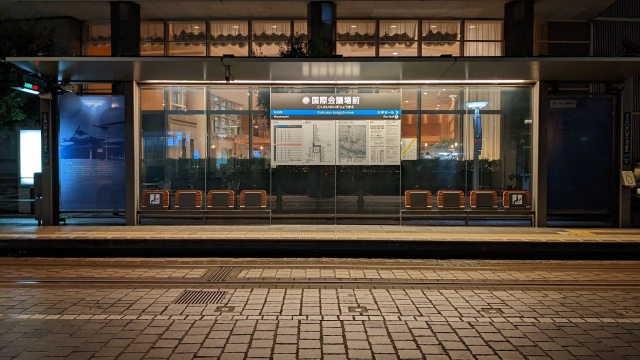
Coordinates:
(477,146)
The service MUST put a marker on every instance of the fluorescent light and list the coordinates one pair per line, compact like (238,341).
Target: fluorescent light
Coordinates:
(29,91)
(340,82)
(477,104)
(30,155)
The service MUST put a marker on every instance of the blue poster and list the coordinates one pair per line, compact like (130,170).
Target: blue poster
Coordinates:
(92,168)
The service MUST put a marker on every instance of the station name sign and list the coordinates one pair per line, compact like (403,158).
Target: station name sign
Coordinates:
(300,106)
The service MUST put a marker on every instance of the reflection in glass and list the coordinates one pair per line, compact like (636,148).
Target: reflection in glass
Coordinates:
(212,137)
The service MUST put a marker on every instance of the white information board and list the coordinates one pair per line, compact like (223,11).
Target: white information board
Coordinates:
(331,142)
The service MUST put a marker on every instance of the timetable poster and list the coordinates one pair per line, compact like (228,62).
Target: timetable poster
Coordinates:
(384,142)
(286,137)
(319,142)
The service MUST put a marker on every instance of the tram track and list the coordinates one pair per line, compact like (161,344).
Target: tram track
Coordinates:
(319,283)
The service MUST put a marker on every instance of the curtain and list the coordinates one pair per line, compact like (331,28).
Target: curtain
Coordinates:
(300,29)
(491,125)
(229,33)
(152,34)
(100,34)
(394,33)
(186,34)
(356,33)
(483,30)
(483,48)
(440,33)
(271,32)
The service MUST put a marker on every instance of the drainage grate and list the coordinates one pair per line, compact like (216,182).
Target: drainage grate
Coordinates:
(358,309)
(194,297)
(221,274)
(492,311)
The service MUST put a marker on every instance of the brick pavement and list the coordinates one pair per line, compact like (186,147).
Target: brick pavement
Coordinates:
(127,321)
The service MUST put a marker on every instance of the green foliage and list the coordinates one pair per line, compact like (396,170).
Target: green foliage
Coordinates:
(19,38)
(295,47)
(445,143)
(298,47)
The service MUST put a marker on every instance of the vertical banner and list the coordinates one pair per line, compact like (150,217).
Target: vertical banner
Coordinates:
(92,167)
(626,139)
(45,123)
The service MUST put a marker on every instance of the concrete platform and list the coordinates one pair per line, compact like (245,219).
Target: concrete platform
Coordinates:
(21,237)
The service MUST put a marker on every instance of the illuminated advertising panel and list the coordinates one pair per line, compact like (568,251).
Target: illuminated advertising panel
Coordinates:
(92,168)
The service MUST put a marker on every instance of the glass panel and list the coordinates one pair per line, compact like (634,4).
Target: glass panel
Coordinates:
(409,99)
(98,41)
(228,145)
(444,98)
(399,49)
(398,31)
(353,49)
(187,39)
(483,30)
(152,99)
(300,28)
(356,38)
(152,39)
(440,38)
(229,37)
(505,158)
(483,49)
(268,36)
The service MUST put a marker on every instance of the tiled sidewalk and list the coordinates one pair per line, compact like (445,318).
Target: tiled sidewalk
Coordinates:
(315,232)
(142,323)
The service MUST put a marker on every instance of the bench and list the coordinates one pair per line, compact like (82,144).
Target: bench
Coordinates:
(483,205)
(188,205)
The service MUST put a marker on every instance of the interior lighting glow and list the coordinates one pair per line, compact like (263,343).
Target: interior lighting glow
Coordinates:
(30,149)
(341,82)
(477,104)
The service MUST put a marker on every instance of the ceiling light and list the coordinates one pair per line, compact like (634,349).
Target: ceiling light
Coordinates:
(395,53)
(406,101)
(393,26)
(274,26)
(425,93)
(433,26)
(354,26)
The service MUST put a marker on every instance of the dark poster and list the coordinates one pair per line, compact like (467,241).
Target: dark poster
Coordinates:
(92,168)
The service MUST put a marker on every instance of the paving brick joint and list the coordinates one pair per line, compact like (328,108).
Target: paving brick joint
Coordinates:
(125,320)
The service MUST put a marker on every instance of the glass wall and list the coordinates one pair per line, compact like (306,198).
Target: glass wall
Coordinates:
(354,38)
(196,137)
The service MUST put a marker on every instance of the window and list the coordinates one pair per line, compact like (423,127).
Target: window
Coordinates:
(356,38)
(228,37)
(483,38)
(268,36)
(440,38)
(398,38)
(98,40)
(187,39)
(152,39)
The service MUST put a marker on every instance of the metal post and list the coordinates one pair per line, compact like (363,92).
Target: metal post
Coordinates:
(477,146)
(50,174)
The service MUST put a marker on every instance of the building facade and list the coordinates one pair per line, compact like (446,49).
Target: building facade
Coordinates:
(207,103)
